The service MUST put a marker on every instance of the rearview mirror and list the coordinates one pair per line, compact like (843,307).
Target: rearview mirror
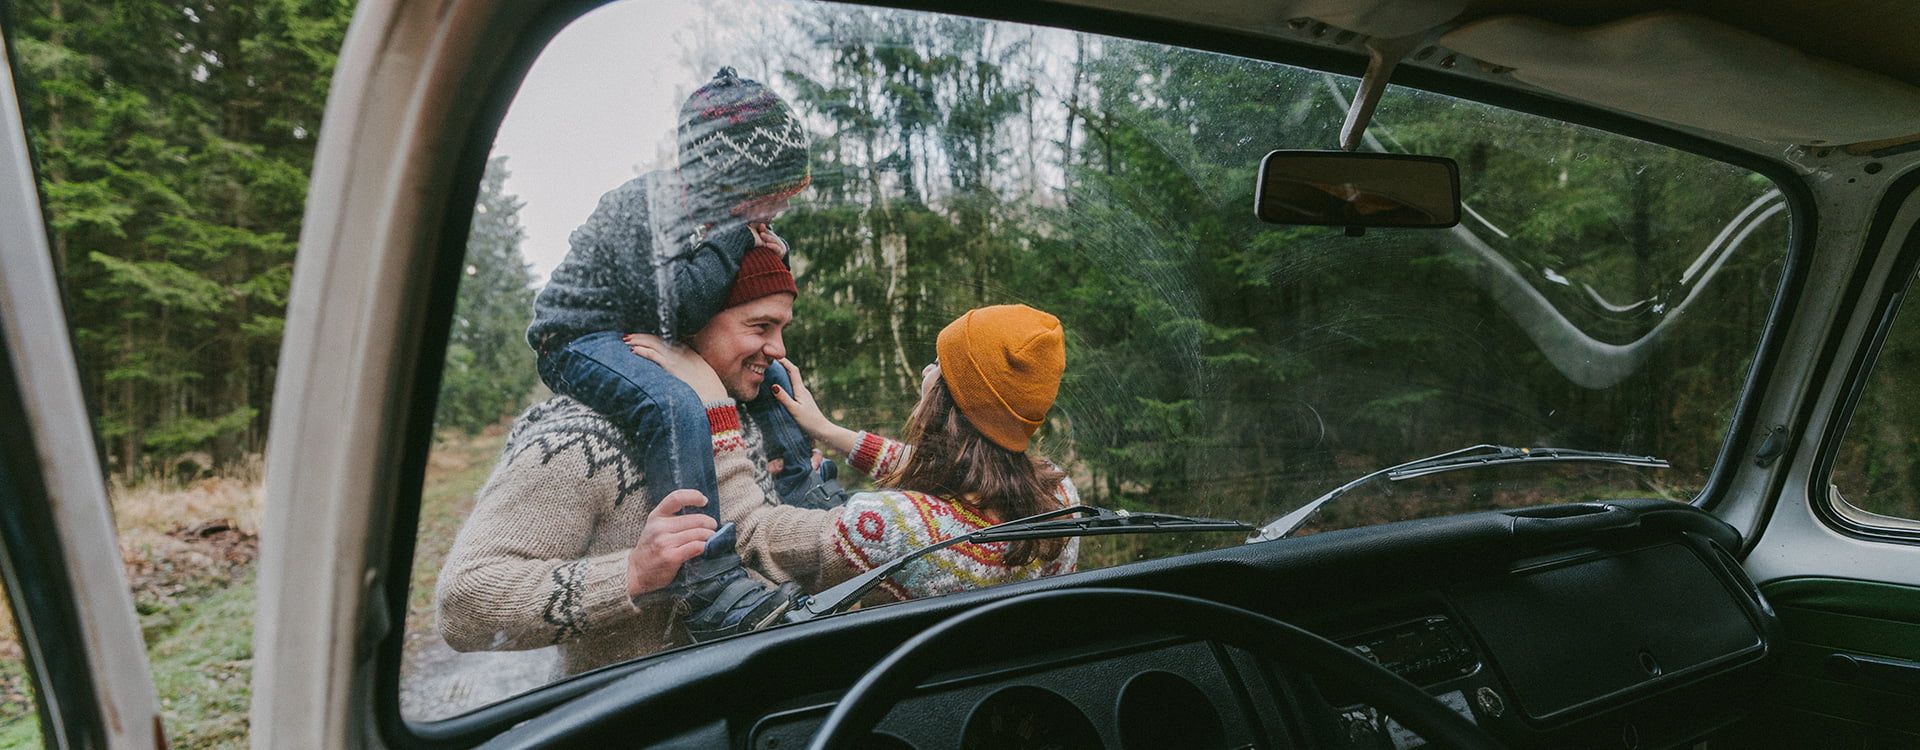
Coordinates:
(1355,189)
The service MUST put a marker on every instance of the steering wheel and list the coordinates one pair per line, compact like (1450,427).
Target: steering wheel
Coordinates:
(1097,613)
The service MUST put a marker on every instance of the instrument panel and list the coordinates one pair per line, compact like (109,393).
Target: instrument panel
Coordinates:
(1154,694)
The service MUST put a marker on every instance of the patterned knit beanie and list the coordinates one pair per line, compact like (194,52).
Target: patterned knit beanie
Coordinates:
(761,273)
(739,142)
(1003,366)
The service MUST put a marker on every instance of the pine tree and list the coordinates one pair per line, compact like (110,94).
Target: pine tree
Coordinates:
(489,368)
(176,140)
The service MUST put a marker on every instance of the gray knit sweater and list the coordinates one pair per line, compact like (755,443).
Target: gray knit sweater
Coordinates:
(542,558)
(607,282)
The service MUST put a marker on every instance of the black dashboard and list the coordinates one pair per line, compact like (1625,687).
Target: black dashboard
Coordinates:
(1152,693)
(1623,624)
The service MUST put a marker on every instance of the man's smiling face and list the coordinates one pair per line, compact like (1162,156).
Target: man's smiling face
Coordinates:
(744,340)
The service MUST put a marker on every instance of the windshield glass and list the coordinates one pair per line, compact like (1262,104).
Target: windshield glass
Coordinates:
(1601,293)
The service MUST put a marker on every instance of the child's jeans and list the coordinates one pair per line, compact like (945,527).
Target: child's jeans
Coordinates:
(667,423)
(797,481)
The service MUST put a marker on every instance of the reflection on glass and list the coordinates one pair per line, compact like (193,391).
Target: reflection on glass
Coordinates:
(1599,293)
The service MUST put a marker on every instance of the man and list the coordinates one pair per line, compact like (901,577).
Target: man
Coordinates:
(670,251)
(563,547)
(656,257)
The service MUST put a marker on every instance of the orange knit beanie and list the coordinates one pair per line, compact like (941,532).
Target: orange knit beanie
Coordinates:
(1003,366)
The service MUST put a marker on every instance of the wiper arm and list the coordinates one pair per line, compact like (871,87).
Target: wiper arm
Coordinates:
(1073,520)
(1464,458)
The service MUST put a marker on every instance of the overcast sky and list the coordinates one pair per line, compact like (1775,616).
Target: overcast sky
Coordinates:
(599,105)
(597,110)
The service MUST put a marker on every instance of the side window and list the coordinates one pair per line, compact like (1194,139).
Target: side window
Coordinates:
(1878,469)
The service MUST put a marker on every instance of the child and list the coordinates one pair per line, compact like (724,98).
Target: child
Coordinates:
(662,254)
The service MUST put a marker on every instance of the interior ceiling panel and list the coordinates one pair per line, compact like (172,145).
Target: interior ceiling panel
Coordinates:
(1858,61)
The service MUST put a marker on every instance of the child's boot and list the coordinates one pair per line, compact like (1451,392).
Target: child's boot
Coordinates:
(721,599)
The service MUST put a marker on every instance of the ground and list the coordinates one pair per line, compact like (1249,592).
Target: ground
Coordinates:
(190,549)
(436,681)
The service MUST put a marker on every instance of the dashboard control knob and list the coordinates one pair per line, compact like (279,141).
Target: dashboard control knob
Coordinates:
(1490,702)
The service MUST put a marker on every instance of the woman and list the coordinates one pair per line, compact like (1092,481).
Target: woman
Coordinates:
(963,465)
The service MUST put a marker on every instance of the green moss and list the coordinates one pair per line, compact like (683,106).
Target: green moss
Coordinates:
(19,722)
(20,732)
(202,663)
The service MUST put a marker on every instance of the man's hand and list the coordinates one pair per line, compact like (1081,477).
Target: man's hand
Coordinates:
(667,541)
(808,415)
(681,362)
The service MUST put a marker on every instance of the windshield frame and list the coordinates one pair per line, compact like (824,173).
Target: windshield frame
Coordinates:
(532,37)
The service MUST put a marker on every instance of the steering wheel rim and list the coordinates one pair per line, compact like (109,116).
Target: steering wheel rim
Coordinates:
(1093,613)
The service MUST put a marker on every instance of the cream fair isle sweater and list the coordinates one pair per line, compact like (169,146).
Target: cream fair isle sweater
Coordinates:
(541,561)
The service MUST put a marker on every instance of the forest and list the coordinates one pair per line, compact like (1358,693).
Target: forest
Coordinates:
(1222,366)
(175,141)
(1236,366)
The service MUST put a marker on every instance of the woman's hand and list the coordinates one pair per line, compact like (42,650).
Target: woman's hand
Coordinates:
(681,362)
(808,415)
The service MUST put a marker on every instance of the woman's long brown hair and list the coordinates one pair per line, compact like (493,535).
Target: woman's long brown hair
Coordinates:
(952,460)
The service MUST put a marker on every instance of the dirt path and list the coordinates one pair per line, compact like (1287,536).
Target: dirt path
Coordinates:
(440,682)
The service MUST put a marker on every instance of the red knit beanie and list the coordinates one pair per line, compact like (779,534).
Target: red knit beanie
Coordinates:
(762,272)
(1003,366)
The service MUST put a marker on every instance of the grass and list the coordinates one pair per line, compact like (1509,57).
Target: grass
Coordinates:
(19,727)
(202,665)
(455,470)
(189,550)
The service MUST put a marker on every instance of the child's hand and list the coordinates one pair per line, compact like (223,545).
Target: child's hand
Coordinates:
(681,362)
(763,236)
(808,415)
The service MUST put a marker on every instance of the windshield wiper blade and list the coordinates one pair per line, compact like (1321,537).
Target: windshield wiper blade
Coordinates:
(1073,520)
(1465,458)
(1505,455)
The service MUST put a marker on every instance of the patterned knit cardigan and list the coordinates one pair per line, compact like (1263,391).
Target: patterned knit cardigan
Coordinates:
(820,548)
(541,561)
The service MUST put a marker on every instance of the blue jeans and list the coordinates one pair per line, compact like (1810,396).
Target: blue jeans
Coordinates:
(666,422)
(797,481)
